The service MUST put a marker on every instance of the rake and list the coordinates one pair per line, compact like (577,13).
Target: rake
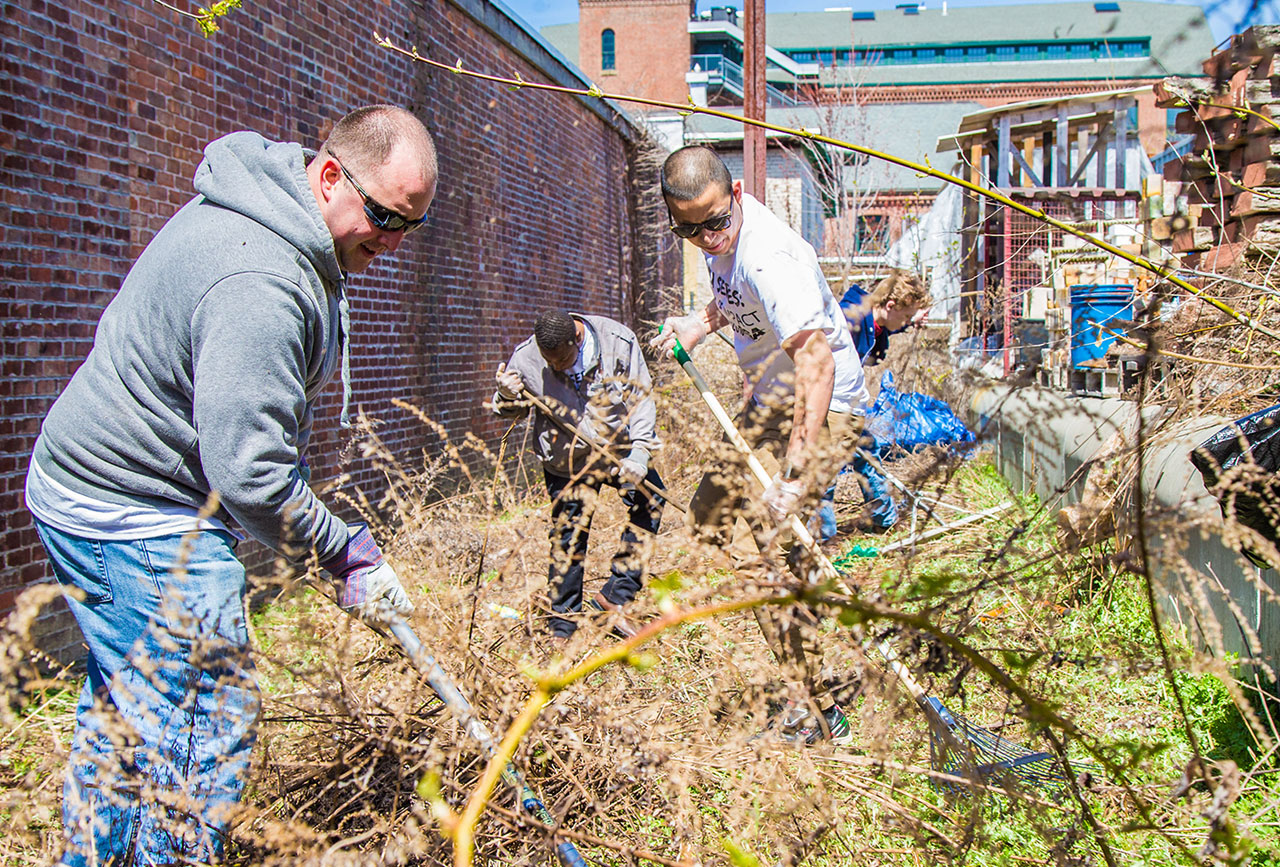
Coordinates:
(447,690)
(956,745)
(998,757)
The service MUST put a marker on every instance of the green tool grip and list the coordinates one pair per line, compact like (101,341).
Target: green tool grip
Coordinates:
(681,356)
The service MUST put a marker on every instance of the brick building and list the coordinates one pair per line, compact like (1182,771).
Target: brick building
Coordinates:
(637,47)
(899,73)
(104,111)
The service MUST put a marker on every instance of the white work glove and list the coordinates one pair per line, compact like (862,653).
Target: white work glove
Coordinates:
(510,383)
(369,587)
(782,497)
(630,472)
(687,329)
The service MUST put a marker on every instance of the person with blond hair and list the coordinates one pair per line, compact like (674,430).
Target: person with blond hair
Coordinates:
(898,301)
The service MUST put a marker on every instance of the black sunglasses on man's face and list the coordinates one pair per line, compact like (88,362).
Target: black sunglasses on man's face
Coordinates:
(692,230)
(381,216)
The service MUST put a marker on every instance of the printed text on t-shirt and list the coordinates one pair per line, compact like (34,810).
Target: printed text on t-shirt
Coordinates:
(745,322)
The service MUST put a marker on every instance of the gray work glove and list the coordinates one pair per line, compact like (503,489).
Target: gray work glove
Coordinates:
(783,497)
(510,383)
(369,587)
(630,472)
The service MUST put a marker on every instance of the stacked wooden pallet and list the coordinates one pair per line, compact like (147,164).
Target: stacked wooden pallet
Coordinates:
(1228,186)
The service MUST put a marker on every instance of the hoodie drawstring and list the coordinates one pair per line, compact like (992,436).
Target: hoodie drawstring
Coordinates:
(344,324)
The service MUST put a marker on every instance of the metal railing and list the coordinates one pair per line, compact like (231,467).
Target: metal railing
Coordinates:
(1178,147)
(728,75)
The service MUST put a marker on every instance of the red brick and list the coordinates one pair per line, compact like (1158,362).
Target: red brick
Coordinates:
(99,137)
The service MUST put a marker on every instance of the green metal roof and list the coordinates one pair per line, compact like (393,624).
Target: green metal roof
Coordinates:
(908,130)
(1101,71)
(565,39)
(1180,35)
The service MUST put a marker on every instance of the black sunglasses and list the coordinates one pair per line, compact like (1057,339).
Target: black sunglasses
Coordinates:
(691,230)
(381,216)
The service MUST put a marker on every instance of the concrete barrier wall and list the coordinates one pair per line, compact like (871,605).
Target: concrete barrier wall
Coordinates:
(1046,441)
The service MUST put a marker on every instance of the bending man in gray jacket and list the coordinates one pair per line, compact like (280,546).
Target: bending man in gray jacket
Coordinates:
(589,370)
(202,380)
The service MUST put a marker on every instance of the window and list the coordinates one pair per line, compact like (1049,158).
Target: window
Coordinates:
(864,16)
(1106,7)
(1057,51)
(871,234)
(926,55)
(842,58)
(954,55)
(1006,52)
(607,57)
(1028,52)
(975,53)
(803,56)
(1079,51)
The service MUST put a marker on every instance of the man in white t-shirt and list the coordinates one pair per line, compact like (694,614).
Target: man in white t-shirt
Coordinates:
(805,390)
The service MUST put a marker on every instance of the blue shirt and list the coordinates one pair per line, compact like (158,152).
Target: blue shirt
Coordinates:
(870,341)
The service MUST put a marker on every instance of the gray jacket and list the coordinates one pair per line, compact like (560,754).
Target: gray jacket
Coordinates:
(614,403)
(207,364)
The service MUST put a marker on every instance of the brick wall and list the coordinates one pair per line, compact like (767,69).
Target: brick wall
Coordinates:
(1227,188)
(104,110)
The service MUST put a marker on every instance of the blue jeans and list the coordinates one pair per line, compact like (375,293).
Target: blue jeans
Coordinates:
(167,716)
(875,494)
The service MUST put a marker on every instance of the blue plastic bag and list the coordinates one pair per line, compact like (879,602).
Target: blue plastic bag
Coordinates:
(912,420)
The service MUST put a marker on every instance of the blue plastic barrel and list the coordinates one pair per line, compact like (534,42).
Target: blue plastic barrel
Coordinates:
(1092,305)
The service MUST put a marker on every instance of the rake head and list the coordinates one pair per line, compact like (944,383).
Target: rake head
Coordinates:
(993,757)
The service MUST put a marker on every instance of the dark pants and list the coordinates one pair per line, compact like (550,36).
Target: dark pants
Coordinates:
(573,504)
(790,632)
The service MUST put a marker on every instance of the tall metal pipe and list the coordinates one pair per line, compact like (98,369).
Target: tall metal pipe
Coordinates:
(754,98)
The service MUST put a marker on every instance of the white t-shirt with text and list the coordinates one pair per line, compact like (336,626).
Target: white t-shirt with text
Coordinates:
(770,288)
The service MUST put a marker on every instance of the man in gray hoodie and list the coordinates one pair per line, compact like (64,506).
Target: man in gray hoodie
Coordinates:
(193,411)
(589,371)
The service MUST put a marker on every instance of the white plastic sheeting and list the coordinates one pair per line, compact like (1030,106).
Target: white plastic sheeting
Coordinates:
(931,247)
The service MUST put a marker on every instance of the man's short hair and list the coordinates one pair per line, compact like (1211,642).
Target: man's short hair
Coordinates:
(365,138)
(554,329)
(903,288)
(689,171)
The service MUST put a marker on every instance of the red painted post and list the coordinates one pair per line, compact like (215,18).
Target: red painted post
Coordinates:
(754,98)
(1008,289)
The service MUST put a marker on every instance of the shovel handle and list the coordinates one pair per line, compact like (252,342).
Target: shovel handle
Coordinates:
(444,687)
(797,527)
(802,534)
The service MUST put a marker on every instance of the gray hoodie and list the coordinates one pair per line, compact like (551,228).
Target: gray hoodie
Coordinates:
(207,364)
(613,405)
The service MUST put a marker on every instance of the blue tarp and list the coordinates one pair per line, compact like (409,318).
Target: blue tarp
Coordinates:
(911,420)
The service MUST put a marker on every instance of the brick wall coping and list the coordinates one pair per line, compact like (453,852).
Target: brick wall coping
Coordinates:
(500,20)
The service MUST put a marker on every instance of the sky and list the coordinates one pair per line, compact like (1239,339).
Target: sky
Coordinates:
(1225,16)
